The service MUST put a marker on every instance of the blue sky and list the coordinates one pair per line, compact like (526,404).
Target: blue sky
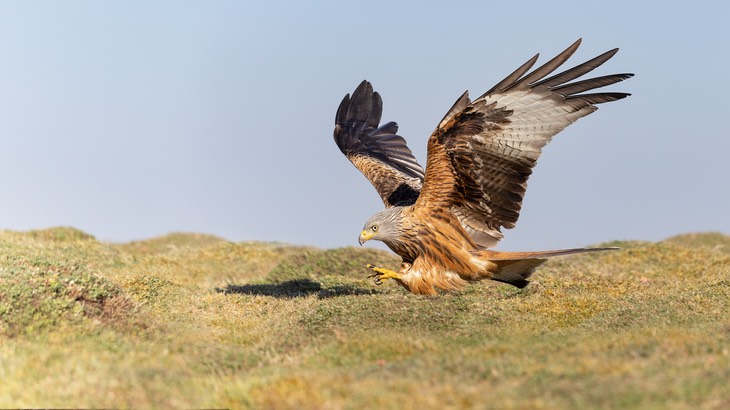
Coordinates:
(132,119)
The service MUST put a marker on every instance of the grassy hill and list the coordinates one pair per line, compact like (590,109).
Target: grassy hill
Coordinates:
(191,320)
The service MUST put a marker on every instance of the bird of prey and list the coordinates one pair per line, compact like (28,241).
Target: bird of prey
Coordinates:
(442,221)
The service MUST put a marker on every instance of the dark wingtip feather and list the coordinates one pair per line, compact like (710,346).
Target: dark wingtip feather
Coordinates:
(576,71)
(590,84)
(513,77)
(376,111)
(361,102)
(596,98)
(342,109)
(551,65)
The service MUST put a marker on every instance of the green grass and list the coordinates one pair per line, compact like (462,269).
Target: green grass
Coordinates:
(190,320)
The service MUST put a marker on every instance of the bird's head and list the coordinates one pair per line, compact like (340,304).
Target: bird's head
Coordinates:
(384,226)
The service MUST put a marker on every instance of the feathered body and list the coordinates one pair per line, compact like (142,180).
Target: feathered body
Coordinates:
(442,221)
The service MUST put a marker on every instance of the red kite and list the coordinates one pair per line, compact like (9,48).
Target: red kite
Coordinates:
(443,221)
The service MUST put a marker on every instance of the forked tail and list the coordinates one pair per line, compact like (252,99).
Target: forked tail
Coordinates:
(515,268)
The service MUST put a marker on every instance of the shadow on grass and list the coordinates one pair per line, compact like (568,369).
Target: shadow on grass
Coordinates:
(295,289)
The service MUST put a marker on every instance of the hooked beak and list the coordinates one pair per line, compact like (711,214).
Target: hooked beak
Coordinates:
(364,237)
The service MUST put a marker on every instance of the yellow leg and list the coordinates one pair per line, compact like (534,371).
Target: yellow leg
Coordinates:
(382,274)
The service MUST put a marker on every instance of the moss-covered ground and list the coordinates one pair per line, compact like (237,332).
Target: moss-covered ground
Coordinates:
(188,321)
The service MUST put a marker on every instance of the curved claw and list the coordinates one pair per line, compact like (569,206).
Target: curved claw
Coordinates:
(381,274)
(378,280)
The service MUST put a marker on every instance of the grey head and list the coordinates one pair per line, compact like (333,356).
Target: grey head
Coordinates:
(385,226)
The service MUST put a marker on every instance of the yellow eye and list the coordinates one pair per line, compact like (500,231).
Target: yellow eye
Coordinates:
(374,228)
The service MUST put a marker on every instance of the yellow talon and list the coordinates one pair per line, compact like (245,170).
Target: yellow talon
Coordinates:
(382,274)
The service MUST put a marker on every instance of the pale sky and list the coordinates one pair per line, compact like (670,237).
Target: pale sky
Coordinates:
(133,119)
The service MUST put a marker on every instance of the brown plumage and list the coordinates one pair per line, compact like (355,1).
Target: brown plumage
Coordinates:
(480,156)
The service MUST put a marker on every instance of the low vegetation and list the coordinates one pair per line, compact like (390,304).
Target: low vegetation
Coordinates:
(190,320)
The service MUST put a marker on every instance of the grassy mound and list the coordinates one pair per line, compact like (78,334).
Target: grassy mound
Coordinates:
(38,294)
(195,321)
(45,284)
(171,243)
(61,234)
(711,240)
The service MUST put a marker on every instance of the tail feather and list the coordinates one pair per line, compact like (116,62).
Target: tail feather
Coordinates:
(498,256)
(515,268)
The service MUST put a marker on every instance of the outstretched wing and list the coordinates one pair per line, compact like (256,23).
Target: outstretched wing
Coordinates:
(381,155)
(482,153)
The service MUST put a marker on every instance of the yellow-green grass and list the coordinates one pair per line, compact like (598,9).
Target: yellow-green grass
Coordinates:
(190,320)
